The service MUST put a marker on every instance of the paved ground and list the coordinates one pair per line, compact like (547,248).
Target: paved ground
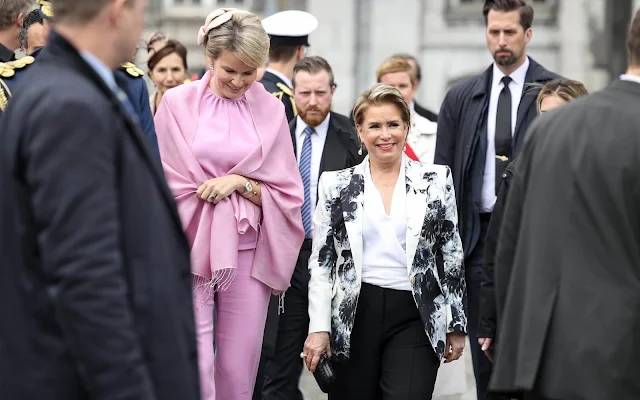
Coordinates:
(446,387)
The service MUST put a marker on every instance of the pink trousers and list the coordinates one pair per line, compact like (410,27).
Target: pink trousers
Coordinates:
(241,309)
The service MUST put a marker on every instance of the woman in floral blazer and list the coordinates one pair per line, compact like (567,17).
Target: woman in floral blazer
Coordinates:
(387,281)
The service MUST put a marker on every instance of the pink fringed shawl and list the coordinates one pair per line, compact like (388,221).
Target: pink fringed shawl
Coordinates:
(213,231)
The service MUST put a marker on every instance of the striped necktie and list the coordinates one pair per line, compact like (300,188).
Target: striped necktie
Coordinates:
(305,172)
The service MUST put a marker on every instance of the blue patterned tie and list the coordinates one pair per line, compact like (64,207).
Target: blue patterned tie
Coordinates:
(305,172)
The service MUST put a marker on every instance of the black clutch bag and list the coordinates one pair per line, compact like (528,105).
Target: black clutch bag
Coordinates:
(325,374)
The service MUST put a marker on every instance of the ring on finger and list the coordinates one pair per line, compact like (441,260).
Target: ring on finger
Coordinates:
(302,355)
(212,198)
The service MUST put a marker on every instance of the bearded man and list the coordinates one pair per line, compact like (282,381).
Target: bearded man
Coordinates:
(481,128)
(323,141)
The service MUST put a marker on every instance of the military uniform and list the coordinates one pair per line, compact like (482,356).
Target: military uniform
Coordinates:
(130,79)
(128,76)
(286,29)
(10,74)
(277,87)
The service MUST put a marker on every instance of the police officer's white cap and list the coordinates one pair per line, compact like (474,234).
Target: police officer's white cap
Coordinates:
(290,28)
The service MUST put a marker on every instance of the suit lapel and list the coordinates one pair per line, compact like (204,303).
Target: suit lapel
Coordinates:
(352,200)
(417,196)
(334,153)
(292,127)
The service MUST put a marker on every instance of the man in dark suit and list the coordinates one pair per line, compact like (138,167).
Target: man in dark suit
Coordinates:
(95,283)
(569,327)
(289,33)
(481,126)
(323,141)
(417,73)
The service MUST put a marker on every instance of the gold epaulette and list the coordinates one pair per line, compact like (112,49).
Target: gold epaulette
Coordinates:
(7,70)
(45,8)
(132,70)
(285,89)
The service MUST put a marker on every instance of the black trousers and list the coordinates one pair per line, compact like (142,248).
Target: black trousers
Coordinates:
(282,369)
(482,366)
(391,357)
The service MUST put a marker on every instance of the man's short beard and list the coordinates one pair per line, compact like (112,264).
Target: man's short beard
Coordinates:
(314,121)
(505,61)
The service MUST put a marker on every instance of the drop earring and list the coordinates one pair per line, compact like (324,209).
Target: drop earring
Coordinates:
(360,150)
(210,67)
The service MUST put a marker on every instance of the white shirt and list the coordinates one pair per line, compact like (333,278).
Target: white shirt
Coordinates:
(630,78)
(384,254)
(516,86)
(317,146)
(280,75)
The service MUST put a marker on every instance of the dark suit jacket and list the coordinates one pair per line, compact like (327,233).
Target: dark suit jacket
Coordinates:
(462,140)
(340,152)
(571,237)
(488,318)
(278,88)
(95,283)
(428,114)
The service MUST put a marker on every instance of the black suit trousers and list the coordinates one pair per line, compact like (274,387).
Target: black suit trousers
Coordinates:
(391,357)
(482,366)
(282,371)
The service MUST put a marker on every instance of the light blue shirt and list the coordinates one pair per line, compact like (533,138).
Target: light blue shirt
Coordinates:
(102,70)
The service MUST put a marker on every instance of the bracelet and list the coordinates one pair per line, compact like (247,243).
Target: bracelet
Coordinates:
(255,192)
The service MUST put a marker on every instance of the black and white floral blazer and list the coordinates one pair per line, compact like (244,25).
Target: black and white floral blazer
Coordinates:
(434,254)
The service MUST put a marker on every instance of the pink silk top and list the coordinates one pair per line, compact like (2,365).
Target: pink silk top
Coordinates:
(223,138)
(202,136)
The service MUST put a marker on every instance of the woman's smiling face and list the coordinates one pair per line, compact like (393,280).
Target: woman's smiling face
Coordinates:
(232,78)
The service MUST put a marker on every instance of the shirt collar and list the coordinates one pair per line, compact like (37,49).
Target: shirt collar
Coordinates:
(518,76)
(102,70)
(630,78)
(6,54)
(280,75)
(321,129)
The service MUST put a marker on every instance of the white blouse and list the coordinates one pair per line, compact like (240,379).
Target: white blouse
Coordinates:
(384,258)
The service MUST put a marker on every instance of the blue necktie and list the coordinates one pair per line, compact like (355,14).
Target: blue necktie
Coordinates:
(305,172)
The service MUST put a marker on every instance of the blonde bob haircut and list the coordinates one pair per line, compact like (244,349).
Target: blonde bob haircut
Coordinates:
(566,89)
(244,36)
(395,64)
(378,95)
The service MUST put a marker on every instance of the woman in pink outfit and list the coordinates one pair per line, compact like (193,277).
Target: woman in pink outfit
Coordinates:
(226,151)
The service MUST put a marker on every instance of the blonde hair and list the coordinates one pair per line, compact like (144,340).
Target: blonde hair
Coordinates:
(243,35)
(566,89)
(377,95)
(395,64)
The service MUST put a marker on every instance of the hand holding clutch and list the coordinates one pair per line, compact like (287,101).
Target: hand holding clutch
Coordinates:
(316,355)
(325,374)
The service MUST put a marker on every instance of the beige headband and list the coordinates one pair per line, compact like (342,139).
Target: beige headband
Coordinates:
(214,20)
